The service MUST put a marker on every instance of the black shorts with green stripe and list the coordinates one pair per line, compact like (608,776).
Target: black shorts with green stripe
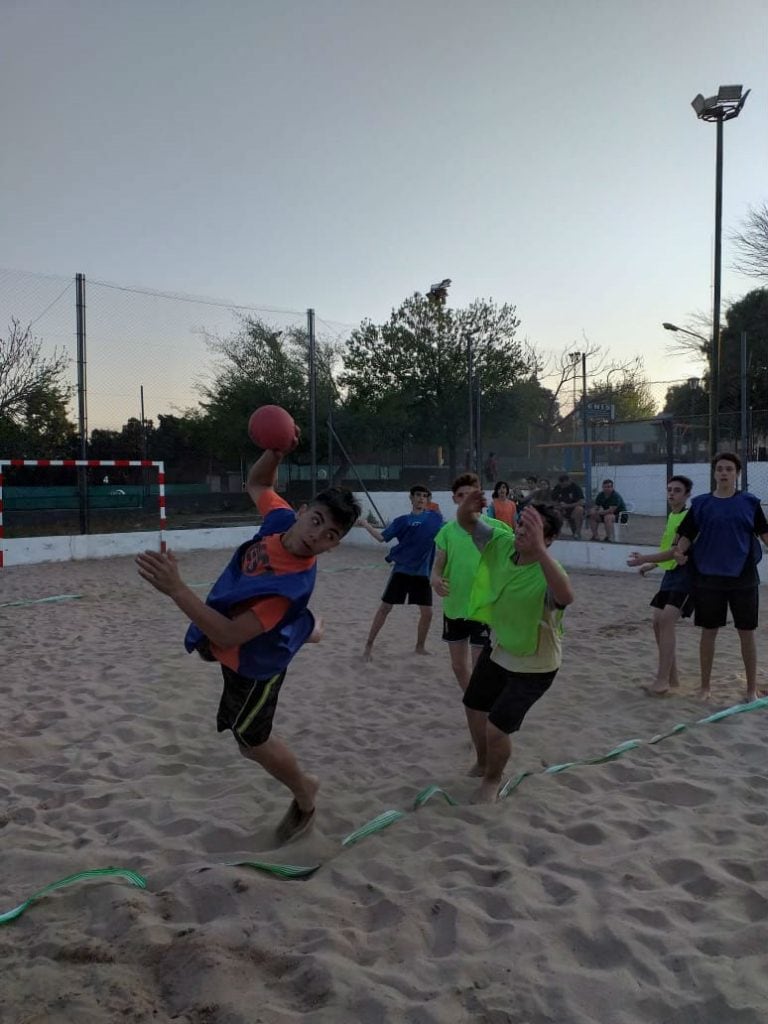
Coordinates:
(248,706)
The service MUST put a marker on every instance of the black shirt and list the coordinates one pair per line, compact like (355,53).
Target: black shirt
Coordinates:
(568,493)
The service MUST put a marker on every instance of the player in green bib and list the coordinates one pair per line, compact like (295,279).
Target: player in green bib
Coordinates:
(673,599)
(453,573)
(520,591)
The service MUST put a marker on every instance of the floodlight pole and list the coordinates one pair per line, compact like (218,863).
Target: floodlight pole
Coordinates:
(744,404)
(585,433)
(724,107)
(470,397)
(312,400)
(716,289)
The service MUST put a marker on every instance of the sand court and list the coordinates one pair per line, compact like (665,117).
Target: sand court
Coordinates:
(630,891)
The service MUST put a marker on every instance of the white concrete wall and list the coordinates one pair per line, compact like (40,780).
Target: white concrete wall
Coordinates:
(572,554)
(645,486)
(30,550)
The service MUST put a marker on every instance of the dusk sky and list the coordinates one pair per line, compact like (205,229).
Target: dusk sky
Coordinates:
(342,154)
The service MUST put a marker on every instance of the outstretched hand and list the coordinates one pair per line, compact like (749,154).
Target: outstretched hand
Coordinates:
(474,502)
(529,534)
(161,570)
(635,559)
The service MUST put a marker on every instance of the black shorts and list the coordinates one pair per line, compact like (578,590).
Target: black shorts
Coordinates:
(456,630)
(248,706)
(505,696)
(712,607)
(401,585)
(681,599)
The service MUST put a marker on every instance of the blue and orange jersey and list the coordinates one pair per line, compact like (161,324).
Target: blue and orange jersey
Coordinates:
(276,585)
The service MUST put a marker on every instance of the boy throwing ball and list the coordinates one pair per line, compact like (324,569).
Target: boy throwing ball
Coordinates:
(256,618)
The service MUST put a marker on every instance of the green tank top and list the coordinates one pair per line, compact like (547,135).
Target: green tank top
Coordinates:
(670,532)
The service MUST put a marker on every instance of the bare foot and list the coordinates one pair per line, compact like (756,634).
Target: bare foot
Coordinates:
(306,798)
(486,792)
(368,653)
(477,771)
(751,696)
(317,633)
(657,691)
(424,651)
(674,683)
(705,693)
(300,816)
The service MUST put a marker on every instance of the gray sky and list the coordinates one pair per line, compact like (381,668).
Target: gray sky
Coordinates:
(342,154)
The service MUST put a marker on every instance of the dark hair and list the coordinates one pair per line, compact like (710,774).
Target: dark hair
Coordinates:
(563,478)
(465,480)
(727,457)
(553,520)
(419,488)
(684,480)
(608,481)
(534,478)
(501,483)
(342,505)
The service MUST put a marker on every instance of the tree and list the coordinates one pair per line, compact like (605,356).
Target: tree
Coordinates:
(751,243)
(688,402)
(257,366)
(33,397)
(629,394)
(412,370)
(748,315)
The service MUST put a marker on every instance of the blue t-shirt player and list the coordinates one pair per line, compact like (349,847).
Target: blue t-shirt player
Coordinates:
(411,559)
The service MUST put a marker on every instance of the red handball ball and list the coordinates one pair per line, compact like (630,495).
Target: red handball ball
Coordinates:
(272,427)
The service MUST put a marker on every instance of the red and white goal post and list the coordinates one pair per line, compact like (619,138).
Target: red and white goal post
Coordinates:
(90,464)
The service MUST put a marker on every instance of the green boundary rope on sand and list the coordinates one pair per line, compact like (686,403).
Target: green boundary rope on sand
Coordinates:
(81,876)
(41,600)
(387,818)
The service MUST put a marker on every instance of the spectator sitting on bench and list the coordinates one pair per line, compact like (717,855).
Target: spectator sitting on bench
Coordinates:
(568,497)
(608,506)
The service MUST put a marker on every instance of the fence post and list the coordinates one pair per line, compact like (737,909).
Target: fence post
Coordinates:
(312,399)
(82,401)
(744,406)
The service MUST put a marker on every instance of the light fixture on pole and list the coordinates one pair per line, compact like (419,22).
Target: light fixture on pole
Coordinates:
(721,108)
(709,348)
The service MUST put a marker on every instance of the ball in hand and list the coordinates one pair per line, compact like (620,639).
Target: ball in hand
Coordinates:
(272,427)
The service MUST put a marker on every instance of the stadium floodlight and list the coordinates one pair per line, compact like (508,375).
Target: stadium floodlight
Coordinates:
(439,292)
(723,107)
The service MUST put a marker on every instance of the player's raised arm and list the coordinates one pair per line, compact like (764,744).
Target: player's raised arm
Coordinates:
(273,429)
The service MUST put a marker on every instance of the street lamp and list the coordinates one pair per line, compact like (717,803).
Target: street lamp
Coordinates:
(714,423)
(723,107)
